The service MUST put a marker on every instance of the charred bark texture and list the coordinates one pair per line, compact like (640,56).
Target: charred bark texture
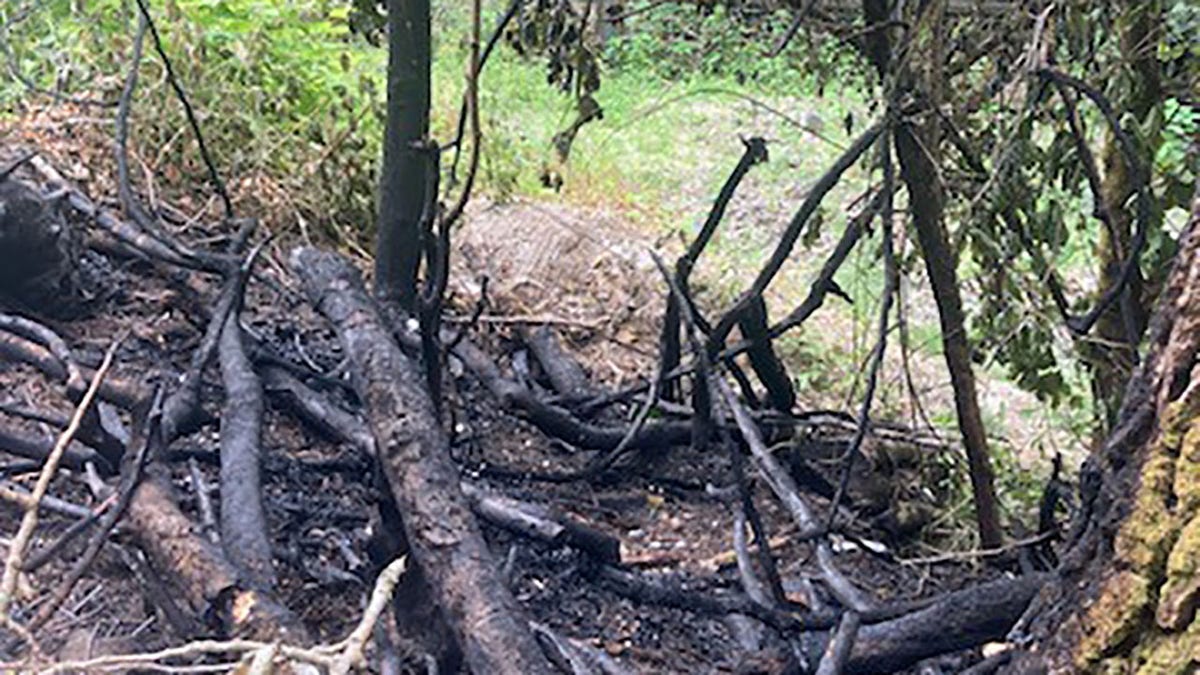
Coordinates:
(565,374)
(402,182)
(962,620)
(770,370)
(204,579)
(243,521)
(37,257)
(441,530)
(917,148)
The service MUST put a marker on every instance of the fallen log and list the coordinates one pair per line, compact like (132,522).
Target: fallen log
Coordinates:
(441,530)
(564,373)
(209,584)
(960,620)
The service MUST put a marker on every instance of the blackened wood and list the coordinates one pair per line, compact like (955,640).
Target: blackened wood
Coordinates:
(402,195)
(767,365)
(318,410)
(203,578)
(565,373)
(244,533)
(960,620)
(442,532)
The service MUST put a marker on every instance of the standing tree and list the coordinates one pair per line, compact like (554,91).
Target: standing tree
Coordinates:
(403,182)
(917,146)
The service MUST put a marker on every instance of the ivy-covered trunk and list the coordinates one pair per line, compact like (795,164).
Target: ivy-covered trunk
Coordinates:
(1111,357)
(402,178)
(1130,579)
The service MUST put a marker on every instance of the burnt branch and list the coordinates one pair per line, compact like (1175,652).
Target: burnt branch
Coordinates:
(790,235)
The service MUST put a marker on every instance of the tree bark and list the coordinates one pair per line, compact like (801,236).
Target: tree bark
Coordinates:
(917,148)
(402,179)
(442,533)
(1112,356)
(1129,582)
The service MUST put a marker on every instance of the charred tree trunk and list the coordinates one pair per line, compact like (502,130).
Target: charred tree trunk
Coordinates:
(37,257)
(917,148)
(1129,585)
(402,182)
(441,532)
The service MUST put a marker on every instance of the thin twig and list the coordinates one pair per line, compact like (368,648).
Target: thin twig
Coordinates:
(472,106)
(134,461)
(497,32)
(891,282)
(20,543)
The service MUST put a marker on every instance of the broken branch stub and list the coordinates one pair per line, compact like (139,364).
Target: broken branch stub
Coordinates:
(444,537)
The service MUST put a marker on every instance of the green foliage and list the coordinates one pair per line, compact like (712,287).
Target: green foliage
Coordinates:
(680,41)
(285,91)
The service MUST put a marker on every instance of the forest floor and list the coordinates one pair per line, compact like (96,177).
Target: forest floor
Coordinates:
(587,275)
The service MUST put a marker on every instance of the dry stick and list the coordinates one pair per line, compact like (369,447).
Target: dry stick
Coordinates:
(16,553)
(218,185)
(243,521)
(788,240)
(148,224)
(352,650)
(821,286)
(891,282)
(32,415)
(837,652)
(472,100)
(702,401)
(181,411)
(339,657)
(755,152)
(131,237)
(747,510)
(567,377)
(751,584)
(121,393)
(784,487)
(792,29)
(51,550)
(442,532)
(18,495)
(438,257)
(1100,205)
(437,262)
(124,185)
(131,474)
